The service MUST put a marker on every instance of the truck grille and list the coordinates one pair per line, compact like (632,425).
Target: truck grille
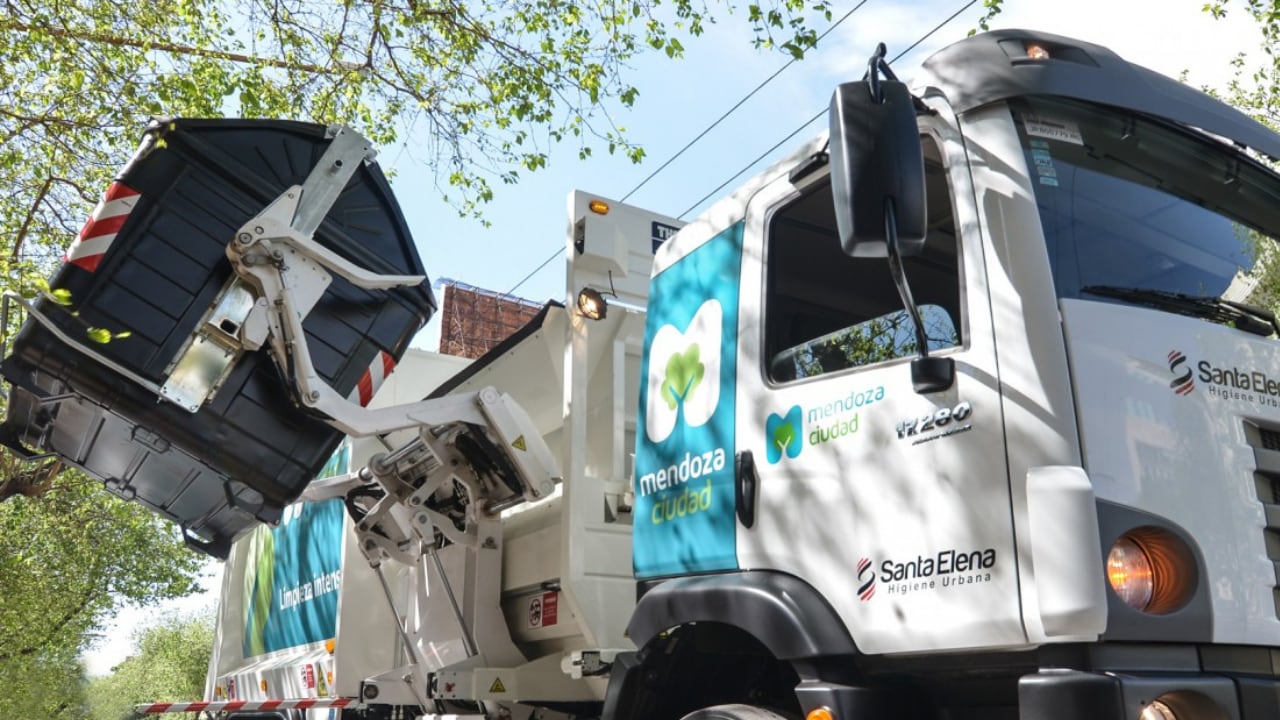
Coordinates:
(1266,478)
(1270,439)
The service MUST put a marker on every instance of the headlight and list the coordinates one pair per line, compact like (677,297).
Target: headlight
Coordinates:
(1152,570)
(1183,705)
(1129,570)
(1157,710)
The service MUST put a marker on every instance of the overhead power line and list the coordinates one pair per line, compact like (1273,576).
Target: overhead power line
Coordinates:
(821,112)
(699,137)
(737,105)
(935,29)
(525,279)
(752,164)
(766,153)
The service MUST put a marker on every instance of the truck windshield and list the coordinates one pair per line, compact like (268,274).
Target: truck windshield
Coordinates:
(1131,205)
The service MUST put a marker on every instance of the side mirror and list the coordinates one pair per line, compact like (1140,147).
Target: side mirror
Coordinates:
(877,184)
(877,168)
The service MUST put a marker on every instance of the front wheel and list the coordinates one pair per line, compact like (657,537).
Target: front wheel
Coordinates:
(735,712)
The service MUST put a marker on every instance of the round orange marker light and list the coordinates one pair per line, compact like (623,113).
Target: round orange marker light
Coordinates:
(821,713)
(1037,52)
(1129,571)
(599,207)
(1152,570)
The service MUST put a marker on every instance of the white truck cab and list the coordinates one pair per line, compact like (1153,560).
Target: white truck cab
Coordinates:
(1065,509)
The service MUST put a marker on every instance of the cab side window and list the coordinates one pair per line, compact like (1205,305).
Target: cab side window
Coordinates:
(826,312)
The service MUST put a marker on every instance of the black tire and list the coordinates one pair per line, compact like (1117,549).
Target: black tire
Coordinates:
(734,712)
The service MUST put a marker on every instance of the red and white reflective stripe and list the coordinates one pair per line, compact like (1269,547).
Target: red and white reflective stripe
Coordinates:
(231,705)
(382,366)
(107,219)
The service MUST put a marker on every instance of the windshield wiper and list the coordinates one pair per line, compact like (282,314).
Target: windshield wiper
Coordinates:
(1241,316)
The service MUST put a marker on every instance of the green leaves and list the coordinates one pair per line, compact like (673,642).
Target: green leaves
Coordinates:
(486,86)
(991,8)
(1254,89)
(69,554)
(61,296)
(169,662)
(103,336)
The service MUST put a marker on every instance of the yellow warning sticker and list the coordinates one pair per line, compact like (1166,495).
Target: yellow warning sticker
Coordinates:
(497,686)
(519,444)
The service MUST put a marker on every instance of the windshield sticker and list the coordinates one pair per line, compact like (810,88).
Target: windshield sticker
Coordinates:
(1053,129)
(1043,163)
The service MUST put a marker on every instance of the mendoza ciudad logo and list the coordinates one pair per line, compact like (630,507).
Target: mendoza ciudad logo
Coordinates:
(684,383)
(837,418)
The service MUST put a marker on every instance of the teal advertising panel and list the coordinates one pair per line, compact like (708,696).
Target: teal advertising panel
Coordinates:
(339,463)
(294,574)
(684,512)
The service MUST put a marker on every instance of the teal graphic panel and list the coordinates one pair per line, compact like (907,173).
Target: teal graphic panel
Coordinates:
(685,509)
(339,463)
(294,573)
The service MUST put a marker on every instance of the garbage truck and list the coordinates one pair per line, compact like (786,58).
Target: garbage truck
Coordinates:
(968,408)
(334,608)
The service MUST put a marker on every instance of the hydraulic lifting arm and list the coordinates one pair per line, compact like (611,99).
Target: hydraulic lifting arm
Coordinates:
(471,456)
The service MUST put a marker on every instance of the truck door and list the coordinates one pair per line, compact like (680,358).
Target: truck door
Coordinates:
(894,505)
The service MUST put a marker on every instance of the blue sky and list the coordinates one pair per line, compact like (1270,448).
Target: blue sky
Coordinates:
(679,99)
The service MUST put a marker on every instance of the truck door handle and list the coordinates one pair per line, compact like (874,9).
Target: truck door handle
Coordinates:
(745,482)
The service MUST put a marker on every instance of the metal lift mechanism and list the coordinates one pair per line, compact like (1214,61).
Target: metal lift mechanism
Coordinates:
(479,451)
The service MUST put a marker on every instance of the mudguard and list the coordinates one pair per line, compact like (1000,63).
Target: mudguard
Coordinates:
(783,612)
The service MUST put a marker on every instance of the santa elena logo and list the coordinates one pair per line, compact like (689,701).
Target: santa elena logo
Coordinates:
(1180,367)
(866,579)
(1242,382)
(948,568)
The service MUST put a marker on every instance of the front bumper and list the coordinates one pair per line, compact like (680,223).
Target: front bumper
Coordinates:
(1070,694)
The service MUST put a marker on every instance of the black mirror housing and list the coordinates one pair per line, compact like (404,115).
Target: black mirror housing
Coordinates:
(932,374)
(877,166)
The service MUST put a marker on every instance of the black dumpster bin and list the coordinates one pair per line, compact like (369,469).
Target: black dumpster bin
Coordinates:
(147,267)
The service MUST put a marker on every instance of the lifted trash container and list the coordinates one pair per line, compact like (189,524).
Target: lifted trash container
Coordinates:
(149,269)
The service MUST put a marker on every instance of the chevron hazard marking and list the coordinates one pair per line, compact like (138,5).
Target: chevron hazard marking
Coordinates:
(497,686)
(104,223)
(519,444)
(378,370)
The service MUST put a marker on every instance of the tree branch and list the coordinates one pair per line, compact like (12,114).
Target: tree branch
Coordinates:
(31,214)
(122,41)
